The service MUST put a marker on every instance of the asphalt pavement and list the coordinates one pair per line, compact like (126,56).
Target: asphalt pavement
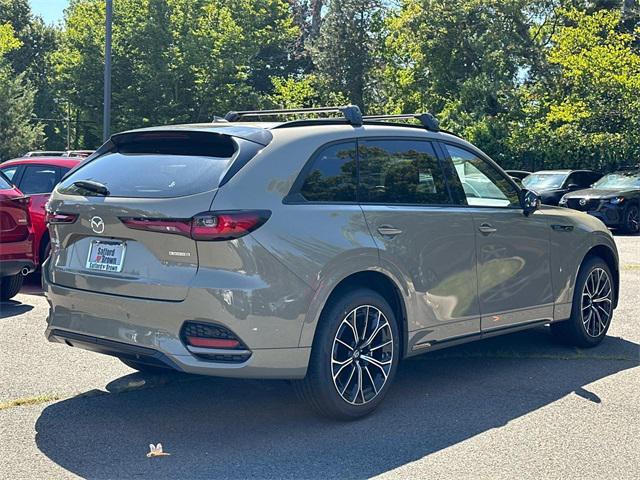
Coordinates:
(519,406)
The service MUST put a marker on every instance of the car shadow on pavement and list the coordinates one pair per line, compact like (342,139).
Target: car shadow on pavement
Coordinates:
(225,428)
(12,308)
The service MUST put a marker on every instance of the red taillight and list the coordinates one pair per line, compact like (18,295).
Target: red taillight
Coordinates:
(54,218)
(207,226)
(212,342)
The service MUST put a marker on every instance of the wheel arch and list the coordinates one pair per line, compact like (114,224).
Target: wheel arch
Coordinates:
(379,282)
(610,258)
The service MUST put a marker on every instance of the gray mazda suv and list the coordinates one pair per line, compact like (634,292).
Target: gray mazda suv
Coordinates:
(323,249)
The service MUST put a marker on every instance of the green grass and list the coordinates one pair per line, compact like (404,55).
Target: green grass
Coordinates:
(21,402)
(630,266)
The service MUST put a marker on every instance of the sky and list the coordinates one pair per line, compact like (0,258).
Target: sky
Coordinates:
(50,10)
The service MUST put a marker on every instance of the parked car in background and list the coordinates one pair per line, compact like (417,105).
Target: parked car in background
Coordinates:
(16,239)
(614,199)
(518,174)
(321,250)
(36,177)
(551,185)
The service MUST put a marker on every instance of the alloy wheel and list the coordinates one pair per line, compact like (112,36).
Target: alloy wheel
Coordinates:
(633,220)
(362,355)
(597,303)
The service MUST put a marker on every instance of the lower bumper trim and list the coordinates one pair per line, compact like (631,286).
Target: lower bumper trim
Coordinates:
(135,353)
(14,267)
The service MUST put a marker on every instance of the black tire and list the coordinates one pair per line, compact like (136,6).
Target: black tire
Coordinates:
(143,367)
(10,286)
(319,388)
(632,219)
(580,329)
(45,249)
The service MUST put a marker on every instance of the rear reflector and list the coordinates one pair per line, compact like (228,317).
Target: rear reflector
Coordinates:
(53,218)
(216,337)
(212,342)
(206,226)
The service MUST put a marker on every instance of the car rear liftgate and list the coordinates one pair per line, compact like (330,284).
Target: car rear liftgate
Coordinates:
(126,223)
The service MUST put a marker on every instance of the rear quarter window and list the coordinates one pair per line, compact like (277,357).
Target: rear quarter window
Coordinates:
(332,175)
(158,165)
(4,183)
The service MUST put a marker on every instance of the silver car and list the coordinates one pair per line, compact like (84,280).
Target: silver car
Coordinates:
(322,250)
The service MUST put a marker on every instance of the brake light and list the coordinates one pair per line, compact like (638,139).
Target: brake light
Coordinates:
(56,217)
(206,226)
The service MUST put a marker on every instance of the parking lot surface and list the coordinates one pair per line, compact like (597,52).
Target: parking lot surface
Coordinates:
(519,406)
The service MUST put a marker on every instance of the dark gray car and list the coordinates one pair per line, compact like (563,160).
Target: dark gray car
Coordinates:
(319,250)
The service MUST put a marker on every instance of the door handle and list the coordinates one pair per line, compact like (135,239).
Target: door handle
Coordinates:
(487,229)
(388,230)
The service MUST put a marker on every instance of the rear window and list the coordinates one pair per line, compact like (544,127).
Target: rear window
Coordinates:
(158,165)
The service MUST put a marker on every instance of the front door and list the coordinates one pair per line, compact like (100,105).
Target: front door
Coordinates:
(422,236)
(514,274)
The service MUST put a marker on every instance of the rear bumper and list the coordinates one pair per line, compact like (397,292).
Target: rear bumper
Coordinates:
(13,267)
(148,331)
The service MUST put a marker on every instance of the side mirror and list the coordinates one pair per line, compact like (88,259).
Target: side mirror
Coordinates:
(573,186)
(529,201)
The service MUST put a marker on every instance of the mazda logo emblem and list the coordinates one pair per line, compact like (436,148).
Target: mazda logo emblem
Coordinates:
(583,201)
(97,224)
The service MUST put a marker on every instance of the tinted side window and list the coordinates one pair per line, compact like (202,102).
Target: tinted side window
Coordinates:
(594,177)
(483,185)
(585,179)
(4,184)
(332,176)
(400,171)
(10,171)
(38,179)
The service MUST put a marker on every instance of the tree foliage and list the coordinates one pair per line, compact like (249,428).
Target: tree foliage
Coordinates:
(535,83)
(173,60)
(585,113)
(18,132)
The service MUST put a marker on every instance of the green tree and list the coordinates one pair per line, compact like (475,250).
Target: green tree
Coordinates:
(462,60)
(18,133)
(345,51)
(33,58)
(584,113)
(173,60)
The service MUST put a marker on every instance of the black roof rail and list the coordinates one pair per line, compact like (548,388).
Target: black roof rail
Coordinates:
(427,120)
(351,113)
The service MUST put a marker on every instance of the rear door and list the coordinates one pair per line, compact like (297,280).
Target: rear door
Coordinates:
(514,274)
(421,235)
(135,239)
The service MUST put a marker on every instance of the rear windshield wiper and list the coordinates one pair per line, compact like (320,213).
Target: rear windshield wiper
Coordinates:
(91,186)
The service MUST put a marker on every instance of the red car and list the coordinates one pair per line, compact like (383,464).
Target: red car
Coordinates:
(16,239)
(36,177)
